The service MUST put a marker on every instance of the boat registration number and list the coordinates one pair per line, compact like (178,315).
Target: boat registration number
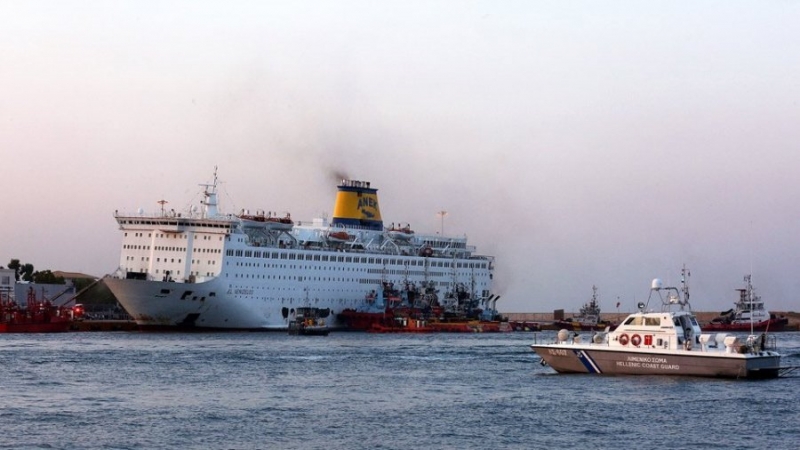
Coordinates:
(557,351)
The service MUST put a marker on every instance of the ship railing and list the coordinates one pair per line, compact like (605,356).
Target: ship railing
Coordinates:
(770,343)
(762,342)
(172,214)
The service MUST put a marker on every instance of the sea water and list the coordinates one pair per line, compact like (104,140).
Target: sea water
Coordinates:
(135,390)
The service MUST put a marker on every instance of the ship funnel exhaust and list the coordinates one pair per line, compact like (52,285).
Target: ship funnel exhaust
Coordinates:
(357,206)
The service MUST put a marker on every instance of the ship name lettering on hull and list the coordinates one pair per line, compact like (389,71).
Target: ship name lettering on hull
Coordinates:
(557,352)
(649,365)
(240,291)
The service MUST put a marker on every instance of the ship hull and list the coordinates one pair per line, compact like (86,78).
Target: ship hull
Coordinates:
(778,324)
(33,319)
(159,305)
(35,327)
(309,331)
(608,361)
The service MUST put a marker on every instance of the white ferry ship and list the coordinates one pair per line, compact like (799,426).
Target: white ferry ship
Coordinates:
(209,270)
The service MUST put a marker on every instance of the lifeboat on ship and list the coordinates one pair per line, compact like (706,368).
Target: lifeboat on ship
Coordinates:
(268,221)
(280,223)
(337,236)
(400,233)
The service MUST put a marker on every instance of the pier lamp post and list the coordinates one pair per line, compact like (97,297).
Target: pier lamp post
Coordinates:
(441,215)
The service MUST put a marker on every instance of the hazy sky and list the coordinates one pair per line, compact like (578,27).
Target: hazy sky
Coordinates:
(580,142)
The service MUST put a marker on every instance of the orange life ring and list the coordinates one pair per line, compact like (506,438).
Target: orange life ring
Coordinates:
(623,339)
(636,340)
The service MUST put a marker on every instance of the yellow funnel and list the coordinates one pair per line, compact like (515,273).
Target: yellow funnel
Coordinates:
(357,206)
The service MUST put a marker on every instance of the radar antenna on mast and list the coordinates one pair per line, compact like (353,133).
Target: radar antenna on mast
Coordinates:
(210,197)
(674,294)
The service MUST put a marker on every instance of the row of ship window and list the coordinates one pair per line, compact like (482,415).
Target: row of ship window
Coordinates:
(171,272)
(172,260)
(171,249)
(405,272)
(164,235)
(337,279)
(178,272)
(300,278)
(352,259)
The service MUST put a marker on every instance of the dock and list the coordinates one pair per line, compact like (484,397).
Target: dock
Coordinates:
(703,317)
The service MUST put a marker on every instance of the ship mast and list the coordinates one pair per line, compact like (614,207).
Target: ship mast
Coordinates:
(210,197)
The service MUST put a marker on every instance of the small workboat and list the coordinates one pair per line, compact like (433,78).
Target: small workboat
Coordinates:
(310,322)
(664,343)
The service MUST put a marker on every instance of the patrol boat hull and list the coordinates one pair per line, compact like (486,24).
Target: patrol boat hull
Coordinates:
(567,358)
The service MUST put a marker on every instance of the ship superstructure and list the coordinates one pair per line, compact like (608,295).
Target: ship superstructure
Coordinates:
(202,268)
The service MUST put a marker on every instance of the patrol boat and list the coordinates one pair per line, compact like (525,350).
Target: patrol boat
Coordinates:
(203,268)
(669,342)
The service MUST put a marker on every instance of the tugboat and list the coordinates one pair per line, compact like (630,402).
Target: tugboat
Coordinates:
(588,318)
(309,322)
(37,316)
(749,313)
(664,343)
(417,309)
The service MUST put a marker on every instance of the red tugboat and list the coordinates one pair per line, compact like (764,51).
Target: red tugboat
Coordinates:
(38,316)
(414,309)
(749,314)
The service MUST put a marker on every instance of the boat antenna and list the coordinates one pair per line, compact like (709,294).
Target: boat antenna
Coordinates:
(162,203)
(685,274)
(747,278)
